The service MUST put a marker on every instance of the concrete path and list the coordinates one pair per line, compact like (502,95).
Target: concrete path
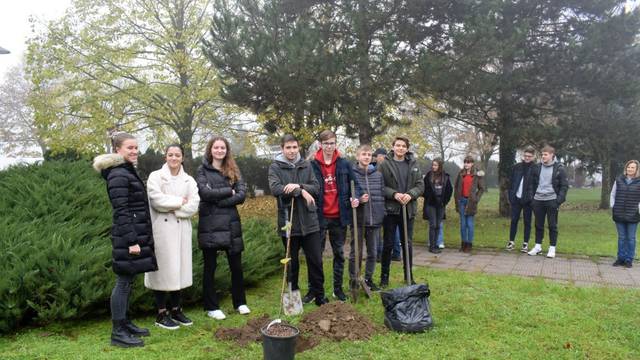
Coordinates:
(578,270)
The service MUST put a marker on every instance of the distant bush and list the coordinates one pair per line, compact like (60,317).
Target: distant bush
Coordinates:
(55,222)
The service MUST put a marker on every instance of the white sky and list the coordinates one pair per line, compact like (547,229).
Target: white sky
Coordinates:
(15,27)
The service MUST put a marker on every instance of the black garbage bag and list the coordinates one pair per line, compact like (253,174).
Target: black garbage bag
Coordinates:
(407,309)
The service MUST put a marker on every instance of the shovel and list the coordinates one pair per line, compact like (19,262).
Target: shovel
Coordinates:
(359,282)
(291,300)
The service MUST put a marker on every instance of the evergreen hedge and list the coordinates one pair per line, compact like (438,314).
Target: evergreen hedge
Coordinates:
(55,222)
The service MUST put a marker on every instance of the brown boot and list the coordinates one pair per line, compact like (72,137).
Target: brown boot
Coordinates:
(469,247)
(463,246)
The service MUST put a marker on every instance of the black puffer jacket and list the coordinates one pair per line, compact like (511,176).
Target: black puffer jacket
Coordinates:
(131,220)
(219,227)
(626,200)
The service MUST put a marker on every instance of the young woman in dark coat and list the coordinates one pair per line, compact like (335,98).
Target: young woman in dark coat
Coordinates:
(437,193)
(221,188)
(131,235)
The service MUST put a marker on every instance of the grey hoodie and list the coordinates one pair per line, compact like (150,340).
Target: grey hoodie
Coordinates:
(545,190)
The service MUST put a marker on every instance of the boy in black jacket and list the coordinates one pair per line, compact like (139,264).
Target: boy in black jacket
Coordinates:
(520,198)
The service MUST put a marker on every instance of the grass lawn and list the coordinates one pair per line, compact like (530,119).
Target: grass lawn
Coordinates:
(582,228)
(477,316)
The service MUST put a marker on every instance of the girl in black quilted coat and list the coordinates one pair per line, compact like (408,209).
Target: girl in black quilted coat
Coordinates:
(221,188)
(131,235)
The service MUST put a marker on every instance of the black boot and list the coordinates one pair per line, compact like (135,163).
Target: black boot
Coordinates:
(135,330)
(120,336)
(384,281)
(463,246)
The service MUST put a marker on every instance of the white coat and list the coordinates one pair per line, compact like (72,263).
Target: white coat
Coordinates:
(172,230)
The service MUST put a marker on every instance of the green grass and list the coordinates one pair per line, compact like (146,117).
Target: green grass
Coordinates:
(476,316)
(582,228)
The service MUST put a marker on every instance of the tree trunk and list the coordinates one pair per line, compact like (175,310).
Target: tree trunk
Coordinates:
(607,167)
(507,153)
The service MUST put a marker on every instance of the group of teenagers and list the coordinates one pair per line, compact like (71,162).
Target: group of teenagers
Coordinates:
(316,198)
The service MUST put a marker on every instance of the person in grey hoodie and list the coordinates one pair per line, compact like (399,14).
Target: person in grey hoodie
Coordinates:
(549,186)
(291,178)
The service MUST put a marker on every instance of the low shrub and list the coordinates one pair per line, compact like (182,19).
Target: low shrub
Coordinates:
(55,222)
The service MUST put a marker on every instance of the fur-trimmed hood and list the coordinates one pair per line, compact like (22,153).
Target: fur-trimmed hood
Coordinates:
(104,163)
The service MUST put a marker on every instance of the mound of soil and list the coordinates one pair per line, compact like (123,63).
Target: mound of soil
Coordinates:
(337,321)
(334,321)
(246,334)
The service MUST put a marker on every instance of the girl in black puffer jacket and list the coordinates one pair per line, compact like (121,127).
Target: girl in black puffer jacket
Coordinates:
(221,188)
(131,235)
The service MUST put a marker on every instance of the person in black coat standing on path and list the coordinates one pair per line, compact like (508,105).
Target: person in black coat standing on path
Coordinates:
(221,188)
(520,198)
(131,234)
(437,193)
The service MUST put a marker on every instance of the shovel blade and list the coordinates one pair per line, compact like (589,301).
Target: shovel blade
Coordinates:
(366,288)
(292,303)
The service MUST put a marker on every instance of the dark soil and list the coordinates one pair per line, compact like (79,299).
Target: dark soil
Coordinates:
(246,334)
(335,322)
(279,330)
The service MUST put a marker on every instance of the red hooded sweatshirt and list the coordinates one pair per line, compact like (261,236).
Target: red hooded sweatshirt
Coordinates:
(331,208)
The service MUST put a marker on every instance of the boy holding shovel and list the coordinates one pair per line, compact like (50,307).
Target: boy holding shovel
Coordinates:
(370,214)
(291,179)
(402,186)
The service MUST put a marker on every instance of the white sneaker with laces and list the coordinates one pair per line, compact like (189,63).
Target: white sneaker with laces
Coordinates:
(536,250)
(510,245)
(441,246)
(525,247)
(216,314)
(552,252)
(243,310)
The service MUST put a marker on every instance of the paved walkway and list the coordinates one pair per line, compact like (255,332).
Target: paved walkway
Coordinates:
(578,270)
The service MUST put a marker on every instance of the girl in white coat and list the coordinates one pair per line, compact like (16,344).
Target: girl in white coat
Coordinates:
(173,199)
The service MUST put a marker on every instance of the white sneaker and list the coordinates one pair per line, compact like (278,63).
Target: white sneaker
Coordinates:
(536,250)
(441,246)
(552,252)
(216,314)
(243,310)
(510,245)
(525,247)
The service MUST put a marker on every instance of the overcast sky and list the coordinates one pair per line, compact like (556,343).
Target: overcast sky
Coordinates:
(14,25)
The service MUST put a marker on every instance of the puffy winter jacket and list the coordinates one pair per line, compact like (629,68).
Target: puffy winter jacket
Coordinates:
(219,227)
(372,183)
(626,200)
(131,220)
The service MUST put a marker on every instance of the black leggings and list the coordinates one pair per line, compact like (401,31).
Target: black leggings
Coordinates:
(161,299)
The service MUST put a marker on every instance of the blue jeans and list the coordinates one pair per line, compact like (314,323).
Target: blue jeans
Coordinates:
(441,235)
(466,223)
(626,241)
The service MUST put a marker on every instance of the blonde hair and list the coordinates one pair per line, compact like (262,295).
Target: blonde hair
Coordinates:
(637,174)
(363,148)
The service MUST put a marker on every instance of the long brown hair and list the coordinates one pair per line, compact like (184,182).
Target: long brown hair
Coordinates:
(438,176)
(229,167)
